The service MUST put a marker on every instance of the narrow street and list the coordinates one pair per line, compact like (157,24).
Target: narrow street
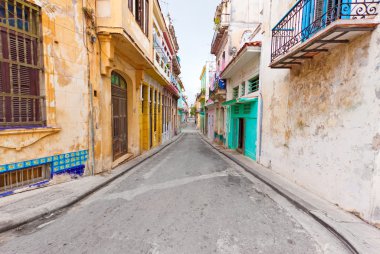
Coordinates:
(190,127)
(186,199)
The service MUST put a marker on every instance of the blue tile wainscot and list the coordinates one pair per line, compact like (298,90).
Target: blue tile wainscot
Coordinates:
(71,163)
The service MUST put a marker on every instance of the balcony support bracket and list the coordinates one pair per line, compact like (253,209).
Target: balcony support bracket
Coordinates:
(333,41)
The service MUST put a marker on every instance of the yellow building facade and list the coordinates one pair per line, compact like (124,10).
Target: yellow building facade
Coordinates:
(79,92)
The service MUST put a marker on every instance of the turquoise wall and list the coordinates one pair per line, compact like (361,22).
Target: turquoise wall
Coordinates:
(247,111)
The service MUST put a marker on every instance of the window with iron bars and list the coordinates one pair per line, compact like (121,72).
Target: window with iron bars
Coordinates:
(23,177)
(20,65)
(243,89)
(235,92)
(253,84)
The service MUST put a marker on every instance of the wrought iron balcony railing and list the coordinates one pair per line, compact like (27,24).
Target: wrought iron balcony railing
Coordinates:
(21,110)
(218,84)
(307,17)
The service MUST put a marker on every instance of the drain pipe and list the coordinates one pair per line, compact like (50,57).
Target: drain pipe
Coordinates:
(92,128)
(261,103)
(90,93)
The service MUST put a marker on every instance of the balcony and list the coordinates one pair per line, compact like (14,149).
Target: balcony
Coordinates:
(174,37)
(219,36)
(176,65)
(315,26)
(218,90)
(222,22)
(116,22)
(160,58)
(177,83)
(202,95)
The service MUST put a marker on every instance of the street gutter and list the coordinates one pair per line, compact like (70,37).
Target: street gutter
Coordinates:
(289,196)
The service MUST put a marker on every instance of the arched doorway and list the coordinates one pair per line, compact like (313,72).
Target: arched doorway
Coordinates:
(119,115)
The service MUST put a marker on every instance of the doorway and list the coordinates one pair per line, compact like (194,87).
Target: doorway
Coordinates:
(119,115)
(151,109)
(241,137)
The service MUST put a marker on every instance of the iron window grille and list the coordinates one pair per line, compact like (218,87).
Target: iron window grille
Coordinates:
(243,89)
(20,65)
(23,177)
(235,92)
(253,85)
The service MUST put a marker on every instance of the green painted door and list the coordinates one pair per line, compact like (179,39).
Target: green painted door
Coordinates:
(234,131)
(250,137)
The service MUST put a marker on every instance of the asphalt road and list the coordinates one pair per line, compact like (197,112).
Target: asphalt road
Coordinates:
(186,199)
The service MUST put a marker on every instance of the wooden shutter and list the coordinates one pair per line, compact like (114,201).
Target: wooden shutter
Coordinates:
(319,9)
(146,17)
(5,108)
(19,67)
(24,79)
(140,13)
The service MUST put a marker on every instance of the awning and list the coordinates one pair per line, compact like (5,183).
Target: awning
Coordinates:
(246,100)
(239,101)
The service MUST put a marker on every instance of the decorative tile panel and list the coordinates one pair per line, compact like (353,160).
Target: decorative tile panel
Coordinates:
(58,163)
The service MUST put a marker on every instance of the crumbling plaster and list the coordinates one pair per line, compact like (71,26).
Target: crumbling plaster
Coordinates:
(321,123)
(64,85)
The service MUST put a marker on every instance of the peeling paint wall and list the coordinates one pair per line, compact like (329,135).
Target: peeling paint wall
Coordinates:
(79,57)
(103,114)
(64,84)
(321,120)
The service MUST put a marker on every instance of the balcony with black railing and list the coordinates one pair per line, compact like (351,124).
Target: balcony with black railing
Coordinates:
(315,26)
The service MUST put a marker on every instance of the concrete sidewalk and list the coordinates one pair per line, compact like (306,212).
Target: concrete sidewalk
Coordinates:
(357,234)
(25,207)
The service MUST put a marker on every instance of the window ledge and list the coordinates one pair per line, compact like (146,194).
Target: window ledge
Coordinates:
(23,137)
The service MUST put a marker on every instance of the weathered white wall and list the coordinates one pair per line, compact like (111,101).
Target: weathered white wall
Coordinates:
(321,120)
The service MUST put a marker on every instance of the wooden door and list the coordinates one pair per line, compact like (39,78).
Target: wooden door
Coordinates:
(119,116)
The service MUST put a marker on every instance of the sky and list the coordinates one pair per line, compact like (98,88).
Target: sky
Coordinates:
(193,23)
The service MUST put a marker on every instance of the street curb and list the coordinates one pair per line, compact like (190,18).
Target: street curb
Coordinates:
(283,193)
(134,163)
